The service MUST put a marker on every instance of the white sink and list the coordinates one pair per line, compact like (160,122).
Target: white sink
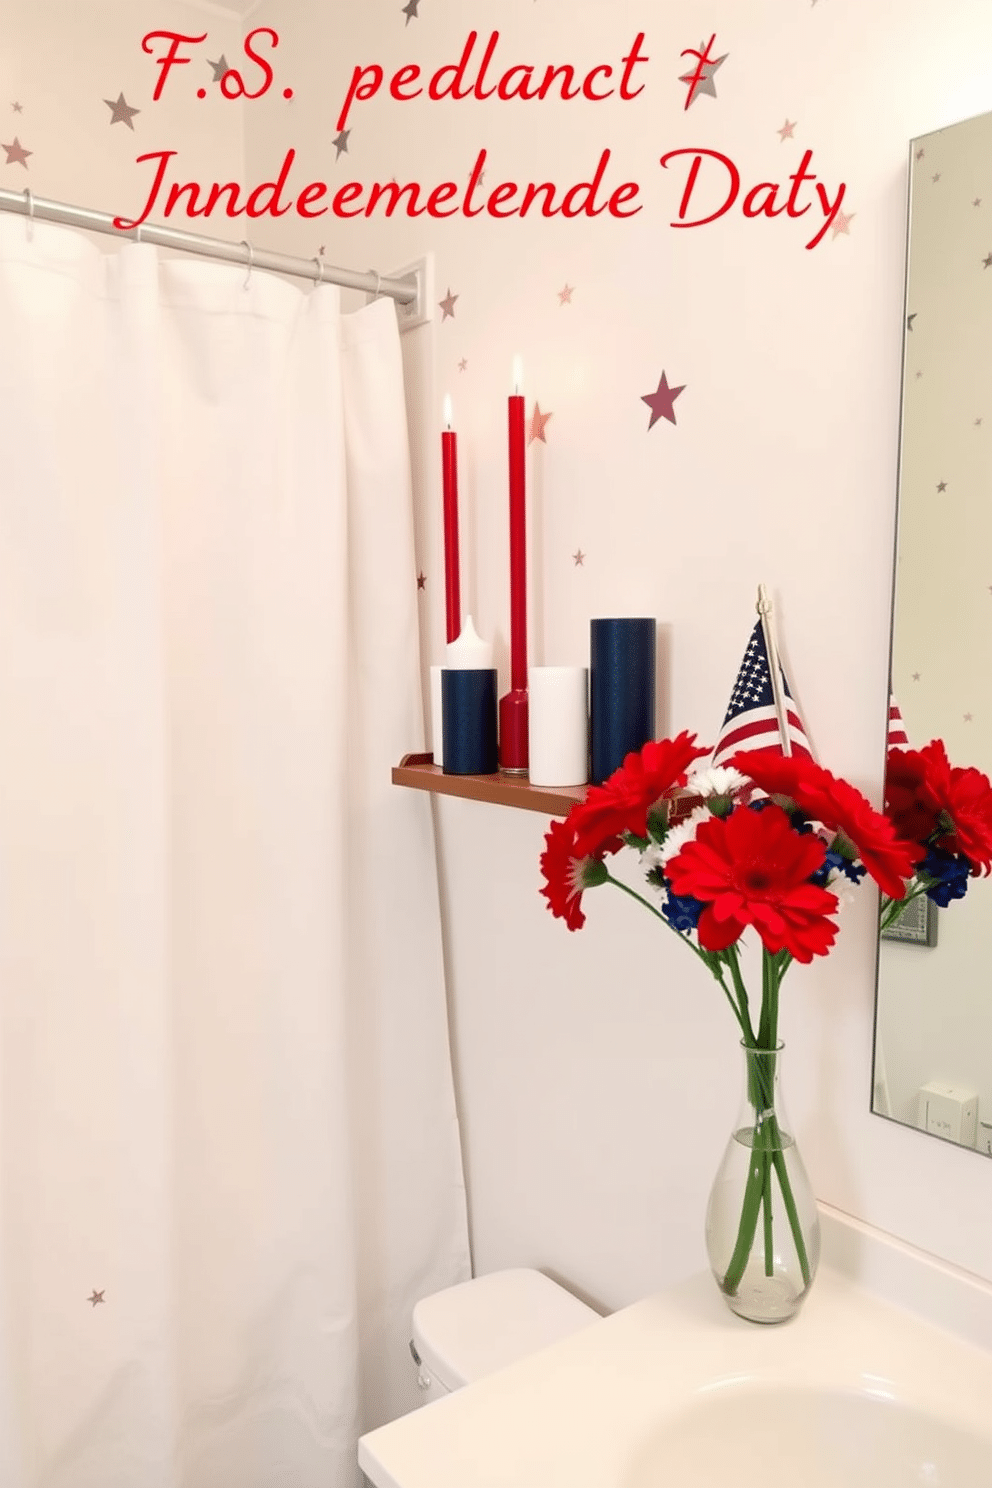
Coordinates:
(758,1437)
(855,1392)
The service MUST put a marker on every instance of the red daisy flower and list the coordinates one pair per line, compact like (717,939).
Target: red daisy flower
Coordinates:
(925,793)
(752,868)
(623,802)
(839,806)
(566,874)
(909,804)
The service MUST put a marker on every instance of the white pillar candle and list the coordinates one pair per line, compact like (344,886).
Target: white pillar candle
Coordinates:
(437,731)
(558,725)
(469,653)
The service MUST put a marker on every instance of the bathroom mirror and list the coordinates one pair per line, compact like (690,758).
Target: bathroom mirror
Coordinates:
(933,1024)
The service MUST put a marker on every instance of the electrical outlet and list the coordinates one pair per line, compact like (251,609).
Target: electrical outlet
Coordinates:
(949,1112)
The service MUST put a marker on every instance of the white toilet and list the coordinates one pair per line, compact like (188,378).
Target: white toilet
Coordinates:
(470,1330)
(473,1329)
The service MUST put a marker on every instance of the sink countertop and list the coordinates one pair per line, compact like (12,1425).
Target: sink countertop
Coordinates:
(582,1413)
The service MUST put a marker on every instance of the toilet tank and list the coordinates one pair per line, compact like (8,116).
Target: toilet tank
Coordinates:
(470,1330)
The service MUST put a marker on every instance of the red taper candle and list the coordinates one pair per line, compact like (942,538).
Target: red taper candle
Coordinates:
(449,484)
(513,712)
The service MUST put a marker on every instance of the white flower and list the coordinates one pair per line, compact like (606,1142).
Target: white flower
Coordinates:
(718,780)
(838,883)
(680,835)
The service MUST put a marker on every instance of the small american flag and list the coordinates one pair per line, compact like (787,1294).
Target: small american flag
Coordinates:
(898,737)
(751,721)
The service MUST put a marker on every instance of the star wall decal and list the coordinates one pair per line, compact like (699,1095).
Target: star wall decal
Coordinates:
(978,423)
(410,11)
(16,153)
(219,67)
(463,365)
(565,295)
(538,423)
(910,319)
(987,262)
(935,177)
(920,153)
(967,718)
(701,79)
(842,223)
(448,305)
(121,112)
(95,1298)
(977,202)
(340,143)
(662,402)
(421,580)
(786,131)
(579,558)
(941,485)
(18,108)
(916,676)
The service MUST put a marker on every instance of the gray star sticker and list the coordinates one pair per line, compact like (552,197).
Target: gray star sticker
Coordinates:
(121,112)
(987,262)
(16,153)
(410,11)
(910,319)
(341,143)
(708,72)
(219,67)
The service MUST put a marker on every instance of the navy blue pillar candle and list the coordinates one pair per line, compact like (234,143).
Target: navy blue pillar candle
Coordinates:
(621,691)
(468,721)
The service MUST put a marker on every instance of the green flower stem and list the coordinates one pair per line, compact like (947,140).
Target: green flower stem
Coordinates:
(769,1157)
(754,1191)
(766,1205)
(730,956)
(707,960)
(776,971)
(764,1040)
(778,1158)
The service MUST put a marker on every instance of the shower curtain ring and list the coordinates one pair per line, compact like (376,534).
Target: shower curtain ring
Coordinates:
(251,261)
(29,199)
(378,284)
(318,278)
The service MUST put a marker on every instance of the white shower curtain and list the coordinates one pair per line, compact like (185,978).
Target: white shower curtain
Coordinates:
(229,1156)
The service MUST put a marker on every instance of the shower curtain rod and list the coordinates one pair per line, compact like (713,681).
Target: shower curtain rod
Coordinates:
(404,291)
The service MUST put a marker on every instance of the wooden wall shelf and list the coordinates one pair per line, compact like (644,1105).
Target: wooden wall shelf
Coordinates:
(420,772)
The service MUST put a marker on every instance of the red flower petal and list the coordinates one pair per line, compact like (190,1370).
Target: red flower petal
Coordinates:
(565,870)
(921,787)
(623,802)
(752,868)
(840,808)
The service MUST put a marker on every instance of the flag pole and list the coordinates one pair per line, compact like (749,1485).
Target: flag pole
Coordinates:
(764,608)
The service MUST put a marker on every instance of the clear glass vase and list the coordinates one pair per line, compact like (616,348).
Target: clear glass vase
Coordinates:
(762,1225)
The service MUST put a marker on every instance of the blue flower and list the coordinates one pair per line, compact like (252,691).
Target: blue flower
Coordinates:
(836,862)
(949,874)
(682,912)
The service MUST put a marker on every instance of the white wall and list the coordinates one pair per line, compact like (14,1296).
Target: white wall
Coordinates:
(60,61)
(594,1069)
